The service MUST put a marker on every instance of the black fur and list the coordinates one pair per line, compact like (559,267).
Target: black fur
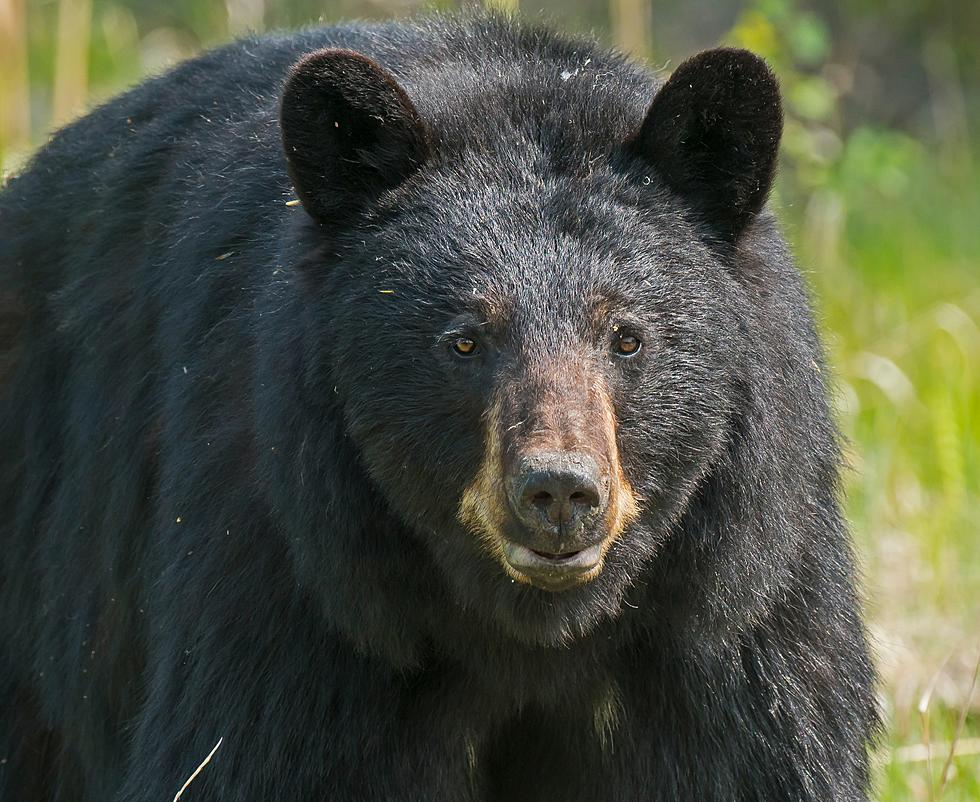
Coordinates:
(349,132)
(712,133)
(233,441)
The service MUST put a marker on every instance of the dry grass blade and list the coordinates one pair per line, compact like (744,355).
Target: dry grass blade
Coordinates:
(917,753)
(197,771)
(924,703)
(959,727)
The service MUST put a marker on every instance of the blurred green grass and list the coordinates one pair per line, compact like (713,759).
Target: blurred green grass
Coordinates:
(894,267)
(886,224)
(892,255)
(887,229)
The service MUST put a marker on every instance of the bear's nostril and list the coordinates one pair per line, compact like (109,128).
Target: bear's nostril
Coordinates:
(559,490)
(541,497)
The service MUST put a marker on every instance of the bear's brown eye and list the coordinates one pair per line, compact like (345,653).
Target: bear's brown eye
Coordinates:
(464,346)
(627,345)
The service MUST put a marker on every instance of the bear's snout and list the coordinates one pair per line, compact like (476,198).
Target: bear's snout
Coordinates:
(558,497)
(551,496)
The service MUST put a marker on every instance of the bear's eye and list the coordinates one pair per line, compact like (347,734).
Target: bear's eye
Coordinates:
(627,345)
(464,346)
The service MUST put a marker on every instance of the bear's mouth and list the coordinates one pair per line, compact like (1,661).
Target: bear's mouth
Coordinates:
(557,557)
(551,571)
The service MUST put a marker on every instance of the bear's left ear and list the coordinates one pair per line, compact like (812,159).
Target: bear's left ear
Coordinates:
(712,134)
(350,133)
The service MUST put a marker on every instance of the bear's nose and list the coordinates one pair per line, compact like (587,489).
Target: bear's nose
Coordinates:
(559,493)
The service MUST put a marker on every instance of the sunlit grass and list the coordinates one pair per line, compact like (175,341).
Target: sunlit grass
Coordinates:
(892,249)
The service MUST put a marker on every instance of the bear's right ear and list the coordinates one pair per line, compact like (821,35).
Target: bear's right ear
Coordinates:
(350,133)
(712,133)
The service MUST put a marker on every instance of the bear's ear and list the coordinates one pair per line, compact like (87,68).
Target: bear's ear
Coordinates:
(712,134)
(349,131)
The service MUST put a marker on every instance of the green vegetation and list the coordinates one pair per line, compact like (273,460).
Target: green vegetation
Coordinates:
(886,226)
(894,247)
(886,220)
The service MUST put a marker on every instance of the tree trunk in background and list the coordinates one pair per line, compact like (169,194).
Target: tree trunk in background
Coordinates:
(504,5)
(631,26)
(245,16)
(15,109)
(71,59)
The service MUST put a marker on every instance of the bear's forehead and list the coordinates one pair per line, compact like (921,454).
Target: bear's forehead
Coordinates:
(528,240)
(573,108)
(530,282)
(523,234)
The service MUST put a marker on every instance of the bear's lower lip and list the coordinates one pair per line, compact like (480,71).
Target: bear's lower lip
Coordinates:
(551,571)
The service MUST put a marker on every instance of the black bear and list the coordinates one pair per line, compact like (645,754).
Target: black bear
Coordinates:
(420,411)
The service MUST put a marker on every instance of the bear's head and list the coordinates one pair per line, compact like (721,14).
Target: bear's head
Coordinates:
(526,306)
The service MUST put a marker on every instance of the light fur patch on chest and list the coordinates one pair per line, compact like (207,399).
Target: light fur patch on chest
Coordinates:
(607,710)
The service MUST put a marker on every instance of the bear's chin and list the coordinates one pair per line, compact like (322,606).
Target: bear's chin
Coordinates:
(532,616)
(542,618)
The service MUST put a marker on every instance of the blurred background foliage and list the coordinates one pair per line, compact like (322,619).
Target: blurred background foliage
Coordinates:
(879,192)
